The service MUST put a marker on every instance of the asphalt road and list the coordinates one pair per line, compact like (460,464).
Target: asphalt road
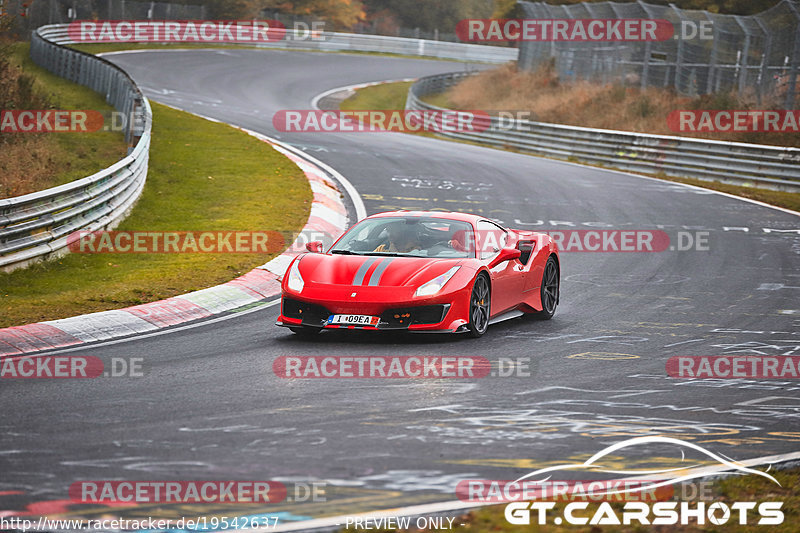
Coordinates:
(209,406)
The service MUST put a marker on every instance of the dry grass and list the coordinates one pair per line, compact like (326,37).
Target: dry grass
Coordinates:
(31,162)
(584,103)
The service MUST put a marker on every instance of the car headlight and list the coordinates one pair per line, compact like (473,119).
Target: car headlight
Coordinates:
(295,281)
(435,285)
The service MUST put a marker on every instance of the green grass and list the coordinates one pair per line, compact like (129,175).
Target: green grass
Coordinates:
(729,490)
(57,158)
(386,96)
(203,176)
(393,96)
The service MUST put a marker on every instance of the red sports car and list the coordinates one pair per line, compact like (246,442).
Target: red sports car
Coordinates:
(421,272)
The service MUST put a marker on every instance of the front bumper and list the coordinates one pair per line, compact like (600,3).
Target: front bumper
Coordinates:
(433,316)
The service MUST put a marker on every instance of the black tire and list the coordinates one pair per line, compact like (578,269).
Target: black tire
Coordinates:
(304,331)
(549,291)
(480,301)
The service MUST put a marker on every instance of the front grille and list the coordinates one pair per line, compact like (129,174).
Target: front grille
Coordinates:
(426,314)
(311,314)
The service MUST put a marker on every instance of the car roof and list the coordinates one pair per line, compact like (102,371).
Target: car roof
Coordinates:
(452,215)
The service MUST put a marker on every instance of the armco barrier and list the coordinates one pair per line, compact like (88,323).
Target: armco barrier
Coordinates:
(35,226)
(772,167)
(343,42)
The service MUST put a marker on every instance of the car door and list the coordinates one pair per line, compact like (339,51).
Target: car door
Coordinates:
(507,279)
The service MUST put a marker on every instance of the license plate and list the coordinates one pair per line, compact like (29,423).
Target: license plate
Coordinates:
(354,320)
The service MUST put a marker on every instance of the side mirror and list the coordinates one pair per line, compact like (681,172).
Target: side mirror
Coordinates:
(314,247)
(506,254)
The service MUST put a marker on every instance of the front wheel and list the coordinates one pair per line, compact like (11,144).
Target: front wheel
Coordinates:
(479,306)
(549,290)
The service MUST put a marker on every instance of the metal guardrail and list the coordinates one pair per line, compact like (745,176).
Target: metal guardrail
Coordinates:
(36,226)
(771,167)
(343,42)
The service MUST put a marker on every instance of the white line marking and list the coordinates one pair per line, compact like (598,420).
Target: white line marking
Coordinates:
(450,506)
(156,333)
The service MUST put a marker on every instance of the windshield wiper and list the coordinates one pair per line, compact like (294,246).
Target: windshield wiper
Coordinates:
(384,254)
(344,252)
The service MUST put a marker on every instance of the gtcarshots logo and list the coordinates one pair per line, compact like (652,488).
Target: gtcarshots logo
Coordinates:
(176,31)
(597,30)
(659,513)
(371,121)
(641,510)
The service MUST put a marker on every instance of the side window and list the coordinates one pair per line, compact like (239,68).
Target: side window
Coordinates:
(491,238)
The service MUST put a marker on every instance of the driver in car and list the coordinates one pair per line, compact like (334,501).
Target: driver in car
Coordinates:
(402,239)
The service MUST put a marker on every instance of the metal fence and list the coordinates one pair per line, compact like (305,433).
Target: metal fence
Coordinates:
(757,56)
(770,167)
(37,226)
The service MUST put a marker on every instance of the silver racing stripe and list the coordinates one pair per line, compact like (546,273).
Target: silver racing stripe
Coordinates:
(362,270)
(375,278)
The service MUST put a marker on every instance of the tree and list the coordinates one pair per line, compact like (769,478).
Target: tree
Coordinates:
(342,14)
(430,15)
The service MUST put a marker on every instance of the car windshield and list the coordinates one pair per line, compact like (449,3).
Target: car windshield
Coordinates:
(408,237)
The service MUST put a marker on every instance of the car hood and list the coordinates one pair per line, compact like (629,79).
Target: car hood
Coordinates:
(372,271)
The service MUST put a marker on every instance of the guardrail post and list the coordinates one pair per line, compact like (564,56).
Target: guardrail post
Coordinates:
(679,51)
(712,62)
(795,59)
(766,166)
(763,74)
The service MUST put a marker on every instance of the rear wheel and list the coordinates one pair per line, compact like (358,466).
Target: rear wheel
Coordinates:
(479,306)
(549,290)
